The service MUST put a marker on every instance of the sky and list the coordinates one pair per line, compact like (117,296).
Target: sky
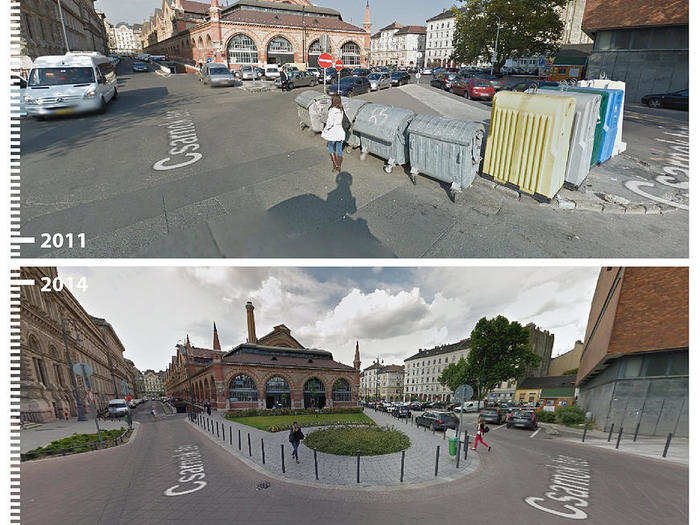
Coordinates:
(384,12)
(392,312)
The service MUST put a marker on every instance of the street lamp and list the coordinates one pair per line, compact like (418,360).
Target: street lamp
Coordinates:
(65,37)
(494,57)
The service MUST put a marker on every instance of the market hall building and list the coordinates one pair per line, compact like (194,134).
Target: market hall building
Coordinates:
(274,370)
(255,32)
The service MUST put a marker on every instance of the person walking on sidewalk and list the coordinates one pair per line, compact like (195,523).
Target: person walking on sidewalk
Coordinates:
(334,132)
(207,405)
(479,438)
(295,437)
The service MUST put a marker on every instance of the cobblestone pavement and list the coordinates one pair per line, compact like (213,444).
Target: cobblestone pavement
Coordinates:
(128,485)
(384,470)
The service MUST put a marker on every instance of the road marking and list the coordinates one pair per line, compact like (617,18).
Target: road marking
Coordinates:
(570,483)
(535,433)
(191,471)
(184,144)
(500,426)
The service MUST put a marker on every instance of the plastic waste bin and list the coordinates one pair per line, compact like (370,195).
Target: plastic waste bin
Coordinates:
(446,149)
(383,132)
(352,107)
(318,113)
(605,83)
(528,142)
(303,102)
(452,445)
(582,136)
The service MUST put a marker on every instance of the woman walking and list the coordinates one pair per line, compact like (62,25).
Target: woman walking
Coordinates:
(334,132)
(295,437)
(481,430)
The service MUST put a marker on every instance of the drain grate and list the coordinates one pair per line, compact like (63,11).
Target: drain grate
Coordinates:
(262,485)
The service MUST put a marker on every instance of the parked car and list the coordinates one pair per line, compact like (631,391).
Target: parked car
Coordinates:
(332,75)
(216,75)
(468,406)
(399,78)
(299,79)
(444,81)
(437,420)
(315,72)
(492,415)
(117,408)
(350,86)
(427,71)
(139,67)
(378,81)
(416,405)
(527,84)
(272,73)
(673,100)
(522,419)
(250,73)
(477,88)
(495,81)
(361,72)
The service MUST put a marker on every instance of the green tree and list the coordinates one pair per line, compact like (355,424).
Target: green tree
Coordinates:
(527,28)
(499,351)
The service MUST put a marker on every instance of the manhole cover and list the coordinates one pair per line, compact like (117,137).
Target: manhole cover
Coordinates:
(262,485)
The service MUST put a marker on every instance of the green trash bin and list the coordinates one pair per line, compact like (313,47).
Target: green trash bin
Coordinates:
(453,446)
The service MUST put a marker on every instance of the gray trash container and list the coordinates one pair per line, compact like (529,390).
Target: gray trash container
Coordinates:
(352,107)
(382,132)
(446,149)
(303,102)
(318,113)
(582,136)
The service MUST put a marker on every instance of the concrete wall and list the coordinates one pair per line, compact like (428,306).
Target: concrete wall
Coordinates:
(571,359)
(645,72)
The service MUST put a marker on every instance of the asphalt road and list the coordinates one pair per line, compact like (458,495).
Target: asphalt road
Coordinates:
(262,188)
(128,484)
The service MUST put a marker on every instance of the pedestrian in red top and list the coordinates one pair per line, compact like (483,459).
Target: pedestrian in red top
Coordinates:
(480,435)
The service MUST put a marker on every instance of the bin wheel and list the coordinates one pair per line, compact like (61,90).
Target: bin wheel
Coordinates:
(432,426)
(363,155)
(412,176)
(388,168)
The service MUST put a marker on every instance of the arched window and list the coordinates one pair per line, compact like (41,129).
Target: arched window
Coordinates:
(242,388)
(242,50)
(318,47)
(314,393)
(279,51)
(341,390)
(277,393)
(350,54)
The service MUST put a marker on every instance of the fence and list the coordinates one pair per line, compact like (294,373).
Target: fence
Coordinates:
(85,447)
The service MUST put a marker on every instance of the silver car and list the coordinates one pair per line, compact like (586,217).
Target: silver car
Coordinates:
(272,73)
(299,79)
(217,75)
(250,73)
(379,81)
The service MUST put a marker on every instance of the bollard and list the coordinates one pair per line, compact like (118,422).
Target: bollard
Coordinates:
(223,433)
(403,459)
(282,450)
(612,425)
(262,448)
(585,429)
(437,457)
(433,429)
(230,436)
(466,444)
(315,465)
(239,439)
(217,429)
(668,442)
(250,451)
(459,451)
(358,466)
(619,437)
(636,431)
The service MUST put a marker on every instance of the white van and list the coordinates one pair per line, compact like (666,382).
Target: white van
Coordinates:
(76,82)
(117,408)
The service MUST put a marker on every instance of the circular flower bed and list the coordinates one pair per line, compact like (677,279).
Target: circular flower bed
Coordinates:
(346,441)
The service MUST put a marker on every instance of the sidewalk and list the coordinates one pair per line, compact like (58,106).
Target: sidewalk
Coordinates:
(341,471)
(650,447)
(30,439)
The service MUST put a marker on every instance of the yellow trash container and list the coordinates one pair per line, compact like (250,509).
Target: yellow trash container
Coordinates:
(528,142)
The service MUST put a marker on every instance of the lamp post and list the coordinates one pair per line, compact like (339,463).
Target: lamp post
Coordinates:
(65,36)
(189,380)
(74,383)
(494,57)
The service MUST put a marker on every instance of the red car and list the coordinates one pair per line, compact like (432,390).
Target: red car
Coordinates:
(479,89)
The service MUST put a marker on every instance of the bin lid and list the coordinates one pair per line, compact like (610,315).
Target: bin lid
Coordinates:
(533,102)
(306,98)
(445,129)
(582,99)
(382,122)
(352,106)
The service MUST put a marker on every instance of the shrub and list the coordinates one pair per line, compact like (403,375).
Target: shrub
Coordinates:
(346,440)
(545,417)
(570,415)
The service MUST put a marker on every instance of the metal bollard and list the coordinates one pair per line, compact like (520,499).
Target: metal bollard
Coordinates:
(358,466)
(262,448)
(223,433)
(437,457)
(619,437)
(403,459)
(230,436)
(315,465)
(217,429)
(239,439)
(466,444)
(636,431)
(282,451)
(585,429)
(459,451)
(668,443)
(444,433)
(433,430)
(250,451)
(612,425)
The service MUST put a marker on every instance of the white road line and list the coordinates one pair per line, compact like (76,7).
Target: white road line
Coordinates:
(535,433)
(500,426)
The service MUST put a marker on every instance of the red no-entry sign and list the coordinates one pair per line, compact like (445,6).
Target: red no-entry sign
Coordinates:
(325,60)
(338,64)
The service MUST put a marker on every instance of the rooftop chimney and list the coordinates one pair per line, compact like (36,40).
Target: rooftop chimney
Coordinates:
(250,317)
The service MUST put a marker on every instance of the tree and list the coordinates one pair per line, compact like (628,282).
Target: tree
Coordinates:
(527,28)
(499,351)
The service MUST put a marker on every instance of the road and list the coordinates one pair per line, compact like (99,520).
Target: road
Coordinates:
(128,484)
(262,188)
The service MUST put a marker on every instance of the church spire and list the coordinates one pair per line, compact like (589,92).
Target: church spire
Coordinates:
(217,345)
(367,25)
(356,362)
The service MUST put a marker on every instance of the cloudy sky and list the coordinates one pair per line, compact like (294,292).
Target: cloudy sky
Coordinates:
(392,311)
(384,12)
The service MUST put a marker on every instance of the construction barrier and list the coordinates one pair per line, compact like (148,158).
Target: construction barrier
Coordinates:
(604,83)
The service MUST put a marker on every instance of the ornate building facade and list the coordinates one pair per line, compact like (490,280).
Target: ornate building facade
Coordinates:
(397,45)
(46,379)
(273,370)
(254,32)
(124,38)
(153,385)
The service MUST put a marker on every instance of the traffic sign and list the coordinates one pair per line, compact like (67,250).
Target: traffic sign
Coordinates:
(90,396)
(325,60)
(82,369)
(338,65)
(463,393)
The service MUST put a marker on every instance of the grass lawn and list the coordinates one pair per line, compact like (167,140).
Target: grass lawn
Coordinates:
(76,444)
(263,422)
(369,441)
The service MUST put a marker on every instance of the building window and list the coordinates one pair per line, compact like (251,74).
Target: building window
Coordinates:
(656,365)
(279,51)
(350,54)
(679,365)
(242,50)
(341,390)
(242,388)
(39,371)
(277,393)
(59,376)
